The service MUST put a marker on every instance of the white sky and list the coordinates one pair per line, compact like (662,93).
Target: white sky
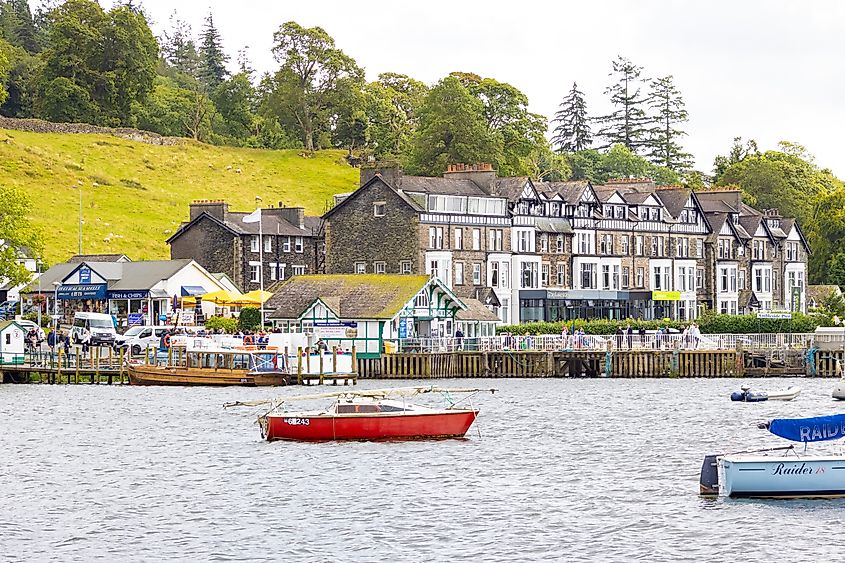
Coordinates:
(768,70)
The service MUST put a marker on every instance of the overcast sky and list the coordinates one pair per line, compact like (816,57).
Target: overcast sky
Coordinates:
(768,70)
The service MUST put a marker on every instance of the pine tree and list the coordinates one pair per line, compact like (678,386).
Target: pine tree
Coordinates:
(628,124)
(669,111)
(18,25)
(178,48)
(212,69)
(573,131)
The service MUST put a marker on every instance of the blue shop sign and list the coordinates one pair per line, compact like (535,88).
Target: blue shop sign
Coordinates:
(85,275)
(403,328)
(129,294)
(86,291)
(135,319)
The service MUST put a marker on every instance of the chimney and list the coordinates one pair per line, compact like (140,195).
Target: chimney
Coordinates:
(392,175)
(217,208)
(481,173)
(293,215)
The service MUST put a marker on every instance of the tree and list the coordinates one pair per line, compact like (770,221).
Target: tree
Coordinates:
(572,133)
(628,123)
(737,153)
(212,60)
(618,162)
(178,48)
(391,106)
(517,131)
(17,233)
(101,62)
(669,111)
(249,319)
(235,102)
(312,70)
(452,129)
(18,26)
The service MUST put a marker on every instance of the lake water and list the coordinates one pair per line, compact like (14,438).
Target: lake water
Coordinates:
(573,470)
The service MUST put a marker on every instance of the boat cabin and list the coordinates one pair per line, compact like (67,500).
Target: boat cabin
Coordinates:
(252,361)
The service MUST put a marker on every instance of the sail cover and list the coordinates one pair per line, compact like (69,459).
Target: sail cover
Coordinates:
(815,429)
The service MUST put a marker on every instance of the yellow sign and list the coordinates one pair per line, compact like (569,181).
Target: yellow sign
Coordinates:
(665,295)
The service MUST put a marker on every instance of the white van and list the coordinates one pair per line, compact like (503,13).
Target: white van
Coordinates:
(100,325)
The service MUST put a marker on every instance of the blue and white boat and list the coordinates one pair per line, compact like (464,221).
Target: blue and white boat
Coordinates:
(745,394)
(781,472)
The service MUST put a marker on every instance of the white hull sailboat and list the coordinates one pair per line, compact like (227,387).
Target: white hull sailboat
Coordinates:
(781,472)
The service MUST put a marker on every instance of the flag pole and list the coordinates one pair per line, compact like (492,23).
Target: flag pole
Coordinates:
(261,266)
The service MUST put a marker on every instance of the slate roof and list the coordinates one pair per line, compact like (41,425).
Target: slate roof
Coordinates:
(510,188)
(724,201)
(673,199)
(118,275)
(357,296)
(604,193)
(270,225)
(818,293)
(79,258)
(441,186)
(569,191)
(475,311)
(553,225)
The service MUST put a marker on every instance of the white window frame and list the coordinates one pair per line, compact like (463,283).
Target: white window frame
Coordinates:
(379,208)
(380,267)
(360,268)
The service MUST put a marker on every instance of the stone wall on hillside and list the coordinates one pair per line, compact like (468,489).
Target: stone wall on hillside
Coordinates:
(41,126)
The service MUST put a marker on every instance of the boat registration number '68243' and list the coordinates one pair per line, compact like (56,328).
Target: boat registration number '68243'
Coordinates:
(298,421)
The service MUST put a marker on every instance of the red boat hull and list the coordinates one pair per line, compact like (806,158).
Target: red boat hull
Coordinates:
(377,427)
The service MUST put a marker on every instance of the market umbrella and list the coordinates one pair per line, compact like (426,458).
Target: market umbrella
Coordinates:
(226,297)
(258,296)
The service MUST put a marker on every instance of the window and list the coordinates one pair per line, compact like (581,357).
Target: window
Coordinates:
(683,247)
(741,280)
(699,248)
(625,248)
(505,280)
(282,271)
(699,278)
(654,245)
(792,251)
(640,277)
(286,245)
(588,276)
(606,244)
(494,274)
(561,275)
(253,243)
(273,270)
(496,236)
(476,273)
(459,239)
(614,281)
(459,273)
(560,247)
(298,242)
(268,244)
(758,250)
(544,275)
(379,267)
(732,274)
(605,277)
(405,266)
(725,249)
(528,275)
(639,243)
(657,281)
(758,280)
(619,212)
(476,239)
(584,243)
(360,267)
(378,209)
(435,237)
(298,270)
(523,241)
(544,242)
(626,277)
(253,272)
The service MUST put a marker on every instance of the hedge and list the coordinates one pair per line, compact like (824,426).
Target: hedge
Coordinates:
(249,319)
(228,326)
(709,323)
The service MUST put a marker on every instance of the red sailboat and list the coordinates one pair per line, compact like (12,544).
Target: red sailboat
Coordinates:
(378,414)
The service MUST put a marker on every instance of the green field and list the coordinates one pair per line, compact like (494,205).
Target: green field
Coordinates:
(134,195)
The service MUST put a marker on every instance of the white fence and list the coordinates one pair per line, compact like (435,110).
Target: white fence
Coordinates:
(636,341)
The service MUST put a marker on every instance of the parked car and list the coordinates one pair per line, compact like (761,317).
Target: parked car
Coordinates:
(139,338)
(8,309)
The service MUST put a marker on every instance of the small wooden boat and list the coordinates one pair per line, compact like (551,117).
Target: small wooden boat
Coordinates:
(761,474)
(380,414)
(745,394)
(247,366)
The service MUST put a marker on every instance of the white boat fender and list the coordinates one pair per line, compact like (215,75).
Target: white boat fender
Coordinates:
(709,482)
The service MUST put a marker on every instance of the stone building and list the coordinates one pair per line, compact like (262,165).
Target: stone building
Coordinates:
(220,241)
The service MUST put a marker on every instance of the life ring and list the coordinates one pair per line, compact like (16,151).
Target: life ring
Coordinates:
(248,339)
(167,341)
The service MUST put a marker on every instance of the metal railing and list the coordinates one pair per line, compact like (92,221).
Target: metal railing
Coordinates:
(635,341)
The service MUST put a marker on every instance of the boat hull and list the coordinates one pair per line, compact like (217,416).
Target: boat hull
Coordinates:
(323,427)
(155,375)
(746,476)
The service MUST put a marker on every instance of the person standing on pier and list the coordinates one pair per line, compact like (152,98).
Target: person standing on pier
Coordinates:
(85,338)
(629,332)
(53,340)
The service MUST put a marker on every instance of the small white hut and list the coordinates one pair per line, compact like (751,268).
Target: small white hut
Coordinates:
(12,336)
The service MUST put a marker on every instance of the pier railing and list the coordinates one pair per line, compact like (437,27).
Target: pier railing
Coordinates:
(555,342)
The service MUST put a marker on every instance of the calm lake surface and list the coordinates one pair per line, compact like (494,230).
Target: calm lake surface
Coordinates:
(572,470)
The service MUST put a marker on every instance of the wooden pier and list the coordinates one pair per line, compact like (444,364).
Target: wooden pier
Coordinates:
(96,367)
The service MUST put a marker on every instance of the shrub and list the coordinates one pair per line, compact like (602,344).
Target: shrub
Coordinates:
(709,323)
(226,325)
(250,318)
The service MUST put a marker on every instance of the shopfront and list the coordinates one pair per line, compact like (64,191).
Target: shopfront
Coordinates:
(554,306)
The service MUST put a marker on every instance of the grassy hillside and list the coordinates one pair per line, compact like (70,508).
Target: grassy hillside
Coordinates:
(134,195)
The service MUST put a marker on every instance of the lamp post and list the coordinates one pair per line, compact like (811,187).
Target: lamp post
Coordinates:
(260,262)
(40,296)
(56,285)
